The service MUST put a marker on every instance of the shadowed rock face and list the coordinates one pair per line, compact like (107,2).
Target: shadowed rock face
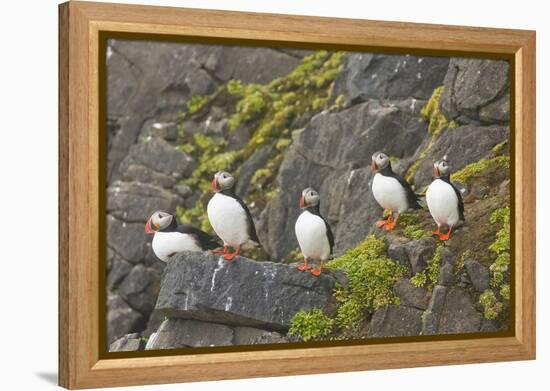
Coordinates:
(243,292)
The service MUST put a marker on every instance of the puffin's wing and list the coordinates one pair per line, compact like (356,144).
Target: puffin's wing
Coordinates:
(330,236)
(251,227)
(206,241)
(460,202)
(412,198)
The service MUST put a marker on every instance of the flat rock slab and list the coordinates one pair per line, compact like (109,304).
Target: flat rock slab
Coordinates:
(242,292)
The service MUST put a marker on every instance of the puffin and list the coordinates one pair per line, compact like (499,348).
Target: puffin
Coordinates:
(230,217)
(313,232)
(171,238)
(391,191)
(444,200)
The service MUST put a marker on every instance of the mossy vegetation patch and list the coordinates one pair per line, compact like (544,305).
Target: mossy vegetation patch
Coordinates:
(493,299)
(266,111)
(429,276)
(478,168)
(371,275)
(437,123)
(311,325)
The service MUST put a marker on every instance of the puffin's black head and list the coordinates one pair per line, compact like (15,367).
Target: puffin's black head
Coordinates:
(158,221)
(379,161)
(309,198)
(222,181)
(441,169)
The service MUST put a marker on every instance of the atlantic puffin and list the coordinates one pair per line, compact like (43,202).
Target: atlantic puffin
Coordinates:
(171,238)
(391,191)
(444,200)
(230,217)
(313,232)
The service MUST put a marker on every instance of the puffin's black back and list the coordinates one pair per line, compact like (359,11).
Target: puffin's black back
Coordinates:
(250,221)
(412,198)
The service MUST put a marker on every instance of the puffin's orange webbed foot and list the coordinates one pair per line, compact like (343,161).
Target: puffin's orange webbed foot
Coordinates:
(391,224)
(446,236)
(303,267)
(230,256)
(317,271)
(384,223)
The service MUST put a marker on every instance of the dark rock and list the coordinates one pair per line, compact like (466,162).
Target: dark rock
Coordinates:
(165,130)
(395,321)
(475,86)
(459,314)
(410,295)
(181,333)
(462,145)
(158,155)
(419,252)
(396,250)
(118,271)
(381,76)
(332,154)
(128,343)
(253,336)
(139,289)
(135,202)
(183,190)
(127,240)
(447,267)
(431,317)
(490,326)
(121,319)
(205,287)
(257,160)
(478,273)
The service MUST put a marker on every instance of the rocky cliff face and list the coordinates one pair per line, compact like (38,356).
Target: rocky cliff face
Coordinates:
(283,120)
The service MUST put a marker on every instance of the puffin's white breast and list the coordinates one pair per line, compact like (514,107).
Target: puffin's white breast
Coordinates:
(168,243)
(311,233)
(229,219)
(389,193)
(442,203)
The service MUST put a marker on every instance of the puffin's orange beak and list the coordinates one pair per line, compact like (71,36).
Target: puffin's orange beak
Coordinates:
(302,202)
(215,185)
(374,167)
(435,171)
(148,229)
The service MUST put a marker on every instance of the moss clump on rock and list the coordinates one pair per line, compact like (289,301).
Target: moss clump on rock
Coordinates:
(437,122)
(492,304)
(432,113)
(429,276)
(371,277)
(311,325)
(478,168)
(492,308)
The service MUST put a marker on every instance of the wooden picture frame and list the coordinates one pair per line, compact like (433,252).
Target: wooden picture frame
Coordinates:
(82,159)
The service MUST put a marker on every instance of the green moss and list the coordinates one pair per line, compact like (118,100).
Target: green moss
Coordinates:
(419,280)
(311,325)
(501,247)
(478,168)
(371,276)
(492,308)
(459,266)
(499,148)
(505,291)
(196,103)
(437,122)
(429,276)
(432,113)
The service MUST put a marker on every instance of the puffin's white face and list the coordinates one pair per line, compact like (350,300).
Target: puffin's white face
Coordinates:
(441,168)
(222,181)
(158,220)
(379,161)
(309,197)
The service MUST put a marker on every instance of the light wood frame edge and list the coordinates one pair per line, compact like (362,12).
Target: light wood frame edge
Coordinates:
(79,365)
